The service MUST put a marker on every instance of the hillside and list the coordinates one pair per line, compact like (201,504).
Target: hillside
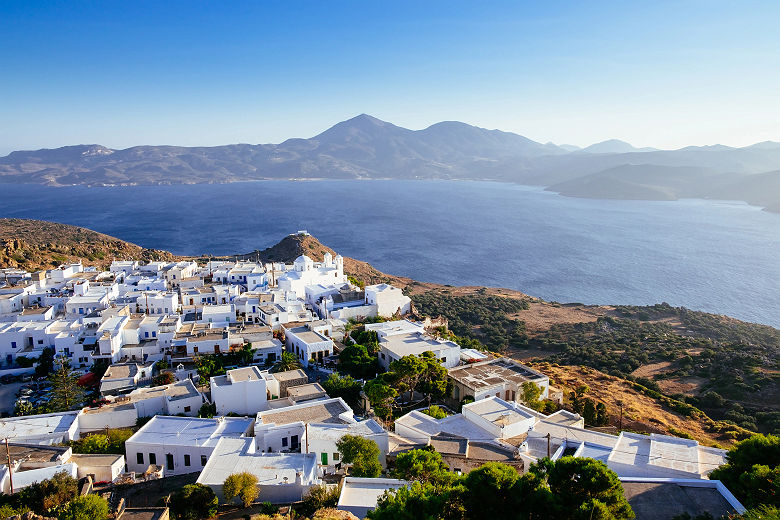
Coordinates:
(715,375)
(365,147)
(36,244)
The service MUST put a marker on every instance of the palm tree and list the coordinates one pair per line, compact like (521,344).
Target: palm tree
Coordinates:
(288,361)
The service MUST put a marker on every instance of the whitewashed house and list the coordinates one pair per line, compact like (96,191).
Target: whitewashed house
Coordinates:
(242,391)
(307,344)
(388,299)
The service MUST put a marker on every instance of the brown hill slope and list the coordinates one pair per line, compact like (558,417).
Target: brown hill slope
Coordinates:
(37,244)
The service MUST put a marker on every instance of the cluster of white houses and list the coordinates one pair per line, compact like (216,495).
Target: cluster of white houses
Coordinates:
(279,426)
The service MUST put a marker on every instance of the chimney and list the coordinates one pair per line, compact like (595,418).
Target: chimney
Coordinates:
(298,478)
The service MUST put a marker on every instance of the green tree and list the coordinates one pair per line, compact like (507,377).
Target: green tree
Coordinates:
(345,387)
(194,502)
(437,412)
(95,443)
(50,496)
(242,485)
(602,415)
(410,370)
(207,410)
(66,392)
(490,492)
(287,361)
(23,407)
(318,497)
(85,507)
(45,363)
(577,398)
(589,411)
(434,381)
(424,465)
(577,488)
(751,471)
(362,453)
(420,501)
(356,361)
(530,394)
(381,396)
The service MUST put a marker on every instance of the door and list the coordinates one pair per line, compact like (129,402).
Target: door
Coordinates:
(294,442)
(324,458)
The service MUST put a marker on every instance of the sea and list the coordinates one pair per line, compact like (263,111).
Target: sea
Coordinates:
(714,256)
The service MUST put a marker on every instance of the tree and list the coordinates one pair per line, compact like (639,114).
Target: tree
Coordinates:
(318,497)
(194,502)
(574,488)
(602,415)
(358,362)
(381,396)
(207,410)
(287,361)
(530,393)
(589,411)
(362,453)
(490,492)
(434,381)
(437,412)
(66,392)
(423,465)
(45,363)
(242,485)
(48,496)
(95,443)
(419,501)
(86,507)
(345,387)
(752,471)
(23,407)
(409,370)
(576,398)
(163,378)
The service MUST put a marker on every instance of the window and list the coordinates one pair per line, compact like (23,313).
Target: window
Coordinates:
(203,460)
(195,350)
(336,455)
(284,442)
(383,355)
(294,442)
(154,334)
(186,460)
(152,458)
(187,409)
(13,344)
(146,334)
(139,458)
(40,342)
(169,461)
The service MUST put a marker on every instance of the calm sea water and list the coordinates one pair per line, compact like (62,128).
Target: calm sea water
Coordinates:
(715,256)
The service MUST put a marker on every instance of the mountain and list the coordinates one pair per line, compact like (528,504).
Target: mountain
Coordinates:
(365,147)
(614,146)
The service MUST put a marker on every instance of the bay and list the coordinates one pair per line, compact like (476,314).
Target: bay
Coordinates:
(715,256)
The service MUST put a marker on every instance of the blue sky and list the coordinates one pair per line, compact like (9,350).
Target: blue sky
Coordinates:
(664,74)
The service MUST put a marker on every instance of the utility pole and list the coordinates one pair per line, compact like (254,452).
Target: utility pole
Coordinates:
(10,469)
(548,445)
(620,428)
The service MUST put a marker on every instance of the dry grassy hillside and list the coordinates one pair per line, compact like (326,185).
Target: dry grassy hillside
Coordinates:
(36,244)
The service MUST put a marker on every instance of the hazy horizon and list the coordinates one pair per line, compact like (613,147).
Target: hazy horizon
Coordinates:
(666,75)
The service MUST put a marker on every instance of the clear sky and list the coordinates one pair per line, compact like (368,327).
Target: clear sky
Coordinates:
(655,73)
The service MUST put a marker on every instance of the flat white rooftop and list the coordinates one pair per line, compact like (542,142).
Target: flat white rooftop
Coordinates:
(190,431)
(360,495)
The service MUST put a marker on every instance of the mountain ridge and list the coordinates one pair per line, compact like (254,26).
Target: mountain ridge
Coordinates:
(365,147)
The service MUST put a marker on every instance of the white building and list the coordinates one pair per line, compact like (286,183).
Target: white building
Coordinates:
(158,302)
(388,299)
(282,477)
(48,428)
(284,429)
(322,439)
(218,315)
(502,378)
(394,347)
(180,444)
(306,272)
(242,391)
(180,397)
(360,495)
(308,344)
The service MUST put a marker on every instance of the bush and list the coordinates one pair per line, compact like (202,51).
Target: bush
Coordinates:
(86,507)
(318,497)
(194,502)
(435,411)
(241,485)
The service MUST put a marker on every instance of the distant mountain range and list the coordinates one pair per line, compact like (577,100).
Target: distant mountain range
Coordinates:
(365,147)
